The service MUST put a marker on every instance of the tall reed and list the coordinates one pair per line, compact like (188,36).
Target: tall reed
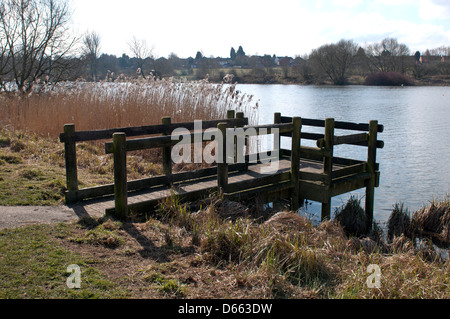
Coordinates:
(102,105)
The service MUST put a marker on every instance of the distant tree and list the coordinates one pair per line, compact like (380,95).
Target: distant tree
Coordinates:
(91,52)
(124,61)
(34,42)
(359,65)
(142,54)
(199,55)
(108,66)
(206,66)
(285,64)
(387,56)
(334,60)
(240,51)
(176,62)
(163,67)
(301,69)
(233,54)
(417,56)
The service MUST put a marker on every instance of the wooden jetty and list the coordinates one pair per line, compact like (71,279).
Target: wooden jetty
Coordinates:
(302,172)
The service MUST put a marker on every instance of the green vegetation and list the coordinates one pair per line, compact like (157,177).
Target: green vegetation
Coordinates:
(34,264)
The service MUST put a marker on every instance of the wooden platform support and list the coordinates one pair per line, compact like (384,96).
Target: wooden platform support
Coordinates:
(328,167)
(70,154)
(371,169)
(120,175)
(295,163)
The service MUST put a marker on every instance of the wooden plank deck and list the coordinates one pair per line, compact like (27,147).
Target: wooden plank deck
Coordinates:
(98,206)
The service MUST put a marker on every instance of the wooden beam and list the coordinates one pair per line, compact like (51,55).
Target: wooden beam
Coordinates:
(338,124)
(145,130)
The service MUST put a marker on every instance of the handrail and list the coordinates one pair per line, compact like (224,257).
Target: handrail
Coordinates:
(337,124)
(92,135)
(164,141)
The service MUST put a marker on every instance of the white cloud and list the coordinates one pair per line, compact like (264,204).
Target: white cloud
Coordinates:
(347,3)
(434,9)
(260,26)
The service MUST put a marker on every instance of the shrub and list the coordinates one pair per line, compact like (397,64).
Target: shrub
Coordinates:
(352,217)
(434,219)
(388,79)
(399,222)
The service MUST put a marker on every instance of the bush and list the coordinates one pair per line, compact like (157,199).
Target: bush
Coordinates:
(399,222)
(352,217)
(388,79)
(434,219)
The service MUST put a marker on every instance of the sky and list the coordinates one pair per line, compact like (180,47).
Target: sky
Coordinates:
(281,27)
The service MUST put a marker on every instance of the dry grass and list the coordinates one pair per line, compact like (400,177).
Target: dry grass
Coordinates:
(287,257)
(434,220)
(399,222)
(104,105)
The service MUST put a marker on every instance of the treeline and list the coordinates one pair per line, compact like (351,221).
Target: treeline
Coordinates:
(35,46)
(345,62)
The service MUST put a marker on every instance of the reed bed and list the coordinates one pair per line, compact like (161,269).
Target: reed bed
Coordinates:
(102,105)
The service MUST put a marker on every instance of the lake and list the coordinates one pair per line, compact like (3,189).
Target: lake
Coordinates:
(414,162)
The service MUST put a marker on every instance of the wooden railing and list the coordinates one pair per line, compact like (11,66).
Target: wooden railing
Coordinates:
(356,174)
(336,175)
(70,137)
(224,165)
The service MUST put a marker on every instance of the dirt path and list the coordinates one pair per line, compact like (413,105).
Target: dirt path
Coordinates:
(15,216)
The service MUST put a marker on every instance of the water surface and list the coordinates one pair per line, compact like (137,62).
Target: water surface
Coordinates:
(414,162)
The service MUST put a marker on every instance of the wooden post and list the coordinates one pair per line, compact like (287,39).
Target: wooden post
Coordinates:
(231,115)
(120,175)
(328,166)
(371,163)
(240,115)
(295,163)
(277,120)
(167,151)
(70,154)
(222,166)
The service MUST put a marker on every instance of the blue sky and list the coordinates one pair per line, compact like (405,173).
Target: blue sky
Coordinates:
(283,27)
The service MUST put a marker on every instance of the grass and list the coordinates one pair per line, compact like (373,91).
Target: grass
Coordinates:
(34,265)
(279,255)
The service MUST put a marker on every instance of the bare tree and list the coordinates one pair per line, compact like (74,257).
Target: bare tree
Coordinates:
(141,52)
(91,52)
(334,60)
(387,56)
(4,57)
(34,40)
